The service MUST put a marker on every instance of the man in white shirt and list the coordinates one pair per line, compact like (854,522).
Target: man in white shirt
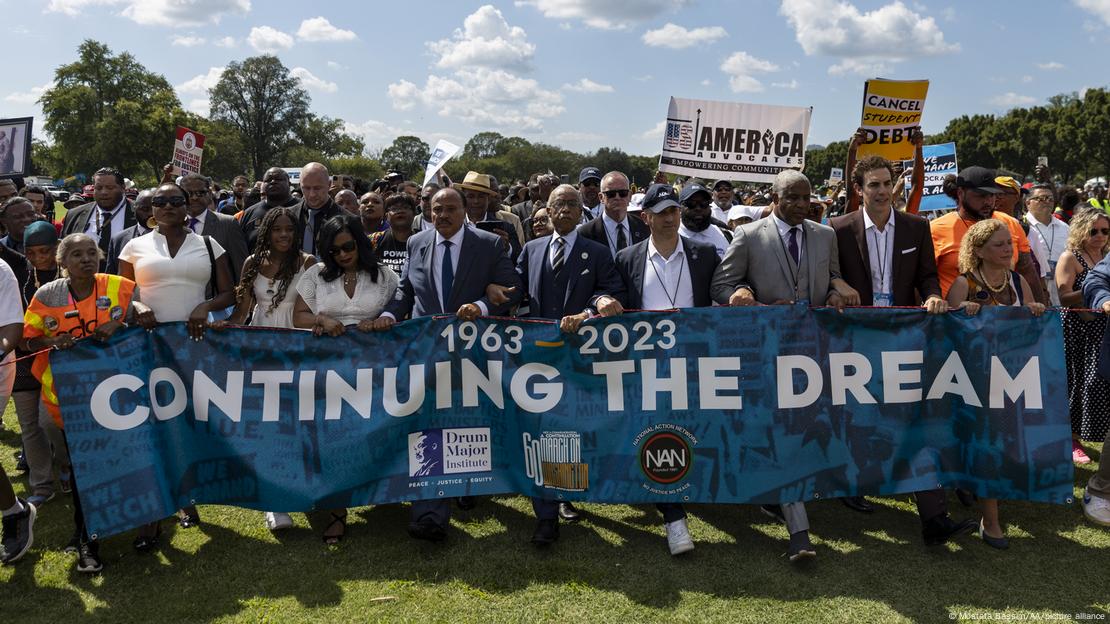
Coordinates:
(1048,236)
(723,194)
(697,224)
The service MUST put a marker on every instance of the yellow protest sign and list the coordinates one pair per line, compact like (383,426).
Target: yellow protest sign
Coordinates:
(890,109)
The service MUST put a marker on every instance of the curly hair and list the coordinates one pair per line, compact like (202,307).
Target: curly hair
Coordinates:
(286,271)
(974,239)
(1079,230)
(870,163)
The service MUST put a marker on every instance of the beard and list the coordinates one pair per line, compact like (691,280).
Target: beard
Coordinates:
(695,222)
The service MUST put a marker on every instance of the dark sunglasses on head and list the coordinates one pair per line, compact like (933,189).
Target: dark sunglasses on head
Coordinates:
(346,247)
(616,193)
(1097,231)
(177,201)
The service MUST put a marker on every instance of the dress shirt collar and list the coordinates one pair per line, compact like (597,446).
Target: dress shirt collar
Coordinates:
(568,239)
(679,251)
(868,223)
(456,239)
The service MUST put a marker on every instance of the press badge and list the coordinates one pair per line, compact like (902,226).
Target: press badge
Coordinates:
(883,300)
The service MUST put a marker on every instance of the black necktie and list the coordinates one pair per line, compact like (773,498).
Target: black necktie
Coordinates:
(105,229)
(622,240)
(557,257)
(792,245)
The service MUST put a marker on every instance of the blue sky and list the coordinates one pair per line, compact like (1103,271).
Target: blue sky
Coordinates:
(580,73)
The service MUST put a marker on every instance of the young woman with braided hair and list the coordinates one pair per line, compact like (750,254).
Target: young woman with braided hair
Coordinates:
(267,291)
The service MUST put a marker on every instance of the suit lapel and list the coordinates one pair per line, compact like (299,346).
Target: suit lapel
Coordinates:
(639,270)
(537,262)
(860,235)
(429,267)
(574,264)
(771,233)
(811,263)
(694,265)
(901,242)
(466,260)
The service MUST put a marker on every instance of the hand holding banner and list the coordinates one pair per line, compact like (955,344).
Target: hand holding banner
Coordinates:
(444,151)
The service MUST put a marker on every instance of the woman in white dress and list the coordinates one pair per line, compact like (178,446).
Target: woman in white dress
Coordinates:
(268,289)
(349,287)
(175,266)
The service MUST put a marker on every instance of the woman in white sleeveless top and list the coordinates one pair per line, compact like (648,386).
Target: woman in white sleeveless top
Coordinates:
(268,289)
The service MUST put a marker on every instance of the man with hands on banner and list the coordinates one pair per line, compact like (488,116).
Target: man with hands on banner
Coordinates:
(783,259)
(448,270)
(667,272)
(917,177)
(570,278)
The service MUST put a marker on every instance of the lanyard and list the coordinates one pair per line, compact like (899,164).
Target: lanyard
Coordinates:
(1050,241)
(884,259)
(681,270)
(73,300)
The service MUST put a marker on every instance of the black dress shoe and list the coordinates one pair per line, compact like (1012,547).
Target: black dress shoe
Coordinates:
(427,530)
(568,512)
(858,503)
(547,532)
(940,529)
(466,503)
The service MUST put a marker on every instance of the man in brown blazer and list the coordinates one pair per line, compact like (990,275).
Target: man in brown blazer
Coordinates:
(887,256)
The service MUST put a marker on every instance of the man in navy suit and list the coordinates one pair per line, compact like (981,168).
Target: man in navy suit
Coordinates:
(569,278)
(449,268)
(143,211)
(667,272)
(614,229)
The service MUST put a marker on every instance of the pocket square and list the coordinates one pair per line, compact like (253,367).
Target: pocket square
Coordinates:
(584,271)
(906,251)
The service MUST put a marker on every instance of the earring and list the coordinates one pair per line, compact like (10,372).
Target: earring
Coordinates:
(151,223)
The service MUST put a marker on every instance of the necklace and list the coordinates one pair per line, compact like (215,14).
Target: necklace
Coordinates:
(1003,286)
(350,278)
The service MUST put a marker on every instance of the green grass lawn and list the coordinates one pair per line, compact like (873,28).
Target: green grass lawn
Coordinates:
(613,566)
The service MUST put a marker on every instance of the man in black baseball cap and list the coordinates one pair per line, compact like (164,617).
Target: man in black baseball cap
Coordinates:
(697,220)
(723,194)
(589,185)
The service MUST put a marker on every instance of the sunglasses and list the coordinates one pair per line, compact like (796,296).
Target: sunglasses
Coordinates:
(176,201)
(1041,198)
(591,182)
(346,247)
(615,193)
(1097,231)
(696,203)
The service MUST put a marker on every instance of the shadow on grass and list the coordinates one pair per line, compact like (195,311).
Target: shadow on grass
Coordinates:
(215,571)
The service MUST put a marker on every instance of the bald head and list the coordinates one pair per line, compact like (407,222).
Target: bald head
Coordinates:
(315,183)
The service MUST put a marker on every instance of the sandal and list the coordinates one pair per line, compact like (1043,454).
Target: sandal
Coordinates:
(341,520)
(146,543)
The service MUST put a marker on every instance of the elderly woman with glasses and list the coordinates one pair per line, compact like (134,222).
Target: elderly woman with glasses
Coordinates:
(1088,393)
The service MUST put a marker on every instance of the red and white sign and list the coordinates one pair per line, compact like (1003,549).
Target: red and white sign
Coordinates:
(188,149)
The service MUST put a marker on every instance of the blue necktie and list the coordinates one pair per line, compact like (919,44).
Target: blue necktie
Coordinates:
(792,244)
(447,274)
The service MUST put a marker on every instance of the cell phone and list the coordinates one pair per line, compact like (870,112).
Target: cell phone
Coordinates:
(1042,161)
(492,226)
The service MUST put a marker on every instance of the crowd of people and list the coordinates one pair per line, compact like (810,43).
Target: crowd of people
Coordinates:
(333,255)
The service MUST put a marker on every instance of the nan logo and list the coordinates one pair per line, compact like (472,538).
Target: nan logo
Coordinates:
(665,457)
(435,452)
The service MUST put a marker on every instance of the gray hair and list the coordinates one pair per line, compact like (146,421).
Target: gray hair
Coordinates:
(66,244)
(567,187)
(785,178)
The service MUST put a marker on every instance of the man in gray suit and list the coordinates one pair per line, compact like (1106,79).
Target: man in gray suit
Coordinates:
(449,267)
(780,260)
(203,220)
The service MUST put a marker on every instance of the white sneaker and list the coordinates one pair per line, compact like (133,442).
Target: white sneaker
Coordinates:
(678,537)
(277,520)
(1096,509)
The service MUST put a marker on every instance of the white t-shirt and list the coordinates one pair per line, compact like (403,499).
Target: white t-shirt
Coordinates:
(171,286)
(331,299)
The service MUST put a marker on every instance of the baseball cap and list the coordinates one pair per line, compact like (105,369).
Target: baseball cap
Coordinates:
(659,197)
(589,173)
(740,211)
(636,202)
(718,183)
(978,178)
(1008,182)
(693,189)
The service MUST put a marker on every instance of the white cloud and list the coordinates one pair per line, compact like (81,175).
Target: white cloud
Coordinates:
(604,14)
(200,106)
(676,37)
(187,41)
(1027,79)
(175,13)
(336,66)
(655,133)
(30,96)
(588,86)
(488,98)
(266,39)
(706,82)
(202,82)
(1098,8)
(1050,66)
(313,83)
(226,42)
(793,84)
(837,28)
(320,29)
(872,69)
(485,40)
(1011,100)
(740,67)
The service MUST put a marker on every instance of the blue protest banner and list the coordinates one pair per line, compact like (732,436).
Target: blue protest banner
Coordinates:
(726,405)
(939,161)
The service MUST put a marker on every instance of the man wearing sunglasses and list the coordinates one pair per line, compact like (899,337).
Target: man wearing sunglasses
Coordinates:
(614,229)
(697,220)
(203,220)
(589,187)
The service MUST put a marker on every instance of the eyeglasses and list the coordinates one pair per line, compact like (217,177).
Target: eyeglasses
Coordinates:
(1097,231)
(1041,198)
(563,203)
(176,201)
(200,193)
(540,220)
(610,194)
(346,247)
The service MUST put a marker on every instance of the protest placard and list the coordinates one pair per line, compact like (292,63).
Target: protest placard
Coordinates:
(733,140)
(15,146)
(444,151)
(836,174)
(939,161)
(890,109)
(188,149)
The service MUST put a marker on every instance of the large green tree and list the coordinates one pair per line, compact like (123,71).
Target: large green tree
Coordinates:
(407,155)
(266,104)
(109,110)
